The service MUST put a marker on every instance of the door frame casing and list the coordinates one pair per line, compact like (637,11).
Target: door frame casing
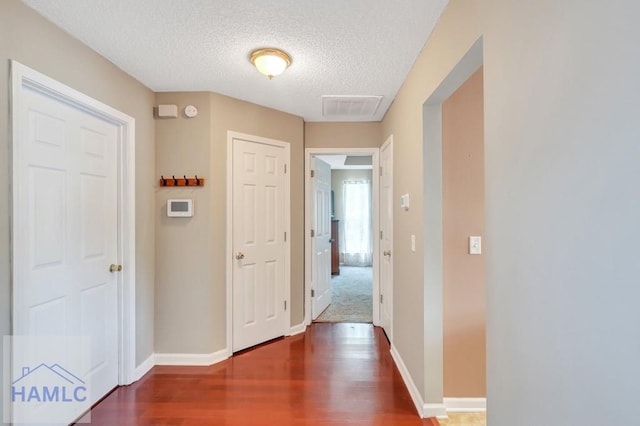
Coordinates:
(308,223)
(25,77)
(231,135)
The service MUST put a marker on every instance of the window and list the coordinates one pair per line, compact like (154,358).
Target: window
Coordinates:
(357,223)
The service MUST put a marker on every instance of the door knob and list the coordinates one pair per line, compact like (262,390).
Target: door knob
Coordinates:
(239,255)
(331,240)
(386,253)
(115,268)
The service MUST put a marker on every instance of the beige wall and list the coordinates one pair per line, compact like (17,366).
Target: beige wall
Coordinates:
(458,28)
(463,215)
(33,41)
(191,253)
(342,135)
(184,272)
(561,148)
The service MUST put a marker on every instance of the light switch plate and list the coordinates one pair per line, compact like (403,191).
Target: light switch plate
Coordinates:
(404,201)
(413,243)
(475,245)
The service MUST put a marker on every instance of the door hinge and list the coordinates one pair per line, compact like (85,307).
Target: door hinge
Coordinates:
(381,234)
(380,170)
(381,299)
(285,305)
(313,173)
(313,293)
(285,168)
(285,237)
(313,233)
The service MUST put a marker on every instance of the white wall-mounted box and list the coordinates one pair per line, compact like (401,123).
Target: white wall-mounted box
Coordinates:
(168,111)
(180,208)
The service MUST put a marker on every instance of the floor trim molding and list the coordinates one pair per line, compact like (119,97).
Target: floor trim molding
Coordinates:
(144,367)
(435,410)
(191,359)
(465,405)
(408,381)
(298,329)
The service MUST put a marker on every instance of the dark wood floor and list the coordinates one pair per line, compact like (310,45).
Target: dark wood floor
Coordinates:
(334,374)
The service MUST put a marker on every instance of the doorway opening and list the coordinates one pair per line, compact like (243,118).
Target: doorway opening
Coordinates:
(463,274)
(351,218)
(351,239)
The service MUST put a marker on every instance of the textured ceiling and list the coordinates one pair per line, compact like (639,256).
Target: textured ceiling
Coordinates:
(338,47)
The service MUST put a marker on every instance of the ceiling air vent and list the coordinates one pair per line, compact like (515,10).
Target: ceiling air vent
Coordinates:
(350,106)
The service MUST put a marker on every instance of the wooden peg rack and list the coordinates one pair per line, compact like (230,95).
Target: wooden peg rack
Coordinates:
(183,181)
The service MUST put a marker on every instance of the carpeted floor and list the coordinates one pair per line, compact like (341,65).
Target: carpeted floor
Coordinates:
(352,296)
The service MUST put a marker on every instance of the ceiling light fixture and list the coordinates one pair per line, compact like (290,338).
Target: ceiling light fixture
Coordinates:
(270,62)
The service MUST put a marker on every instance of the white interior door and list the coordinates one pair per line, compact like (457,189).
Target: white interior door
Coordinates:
(386,243)
(259,301)
(321,262)
(65,236)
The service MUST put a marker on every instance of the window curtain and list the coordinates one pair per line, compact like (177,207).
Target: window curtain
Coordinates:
(358,245)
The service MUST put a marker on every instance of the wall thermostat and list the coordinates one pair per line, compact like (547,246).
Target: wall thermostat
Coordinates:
(190,111)
(180,208)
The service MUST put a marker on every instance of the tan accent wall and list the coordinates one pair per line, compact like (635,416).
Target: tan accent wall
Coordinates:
(463,216)
(30,39)
(342,135)
(191,253)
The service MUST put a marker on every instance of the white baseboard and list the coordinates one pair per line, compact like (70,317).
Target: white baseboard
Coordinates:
(408,381)
(192,359)
(144,367)
(434,410)
(297,329)
(465,405)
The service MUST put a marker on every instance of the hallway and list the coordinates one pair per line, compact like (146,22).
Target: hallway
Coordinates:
(334,374)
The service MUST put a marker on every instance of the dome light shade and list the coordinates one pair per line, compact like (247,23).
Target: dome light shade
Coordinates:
(270,62)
